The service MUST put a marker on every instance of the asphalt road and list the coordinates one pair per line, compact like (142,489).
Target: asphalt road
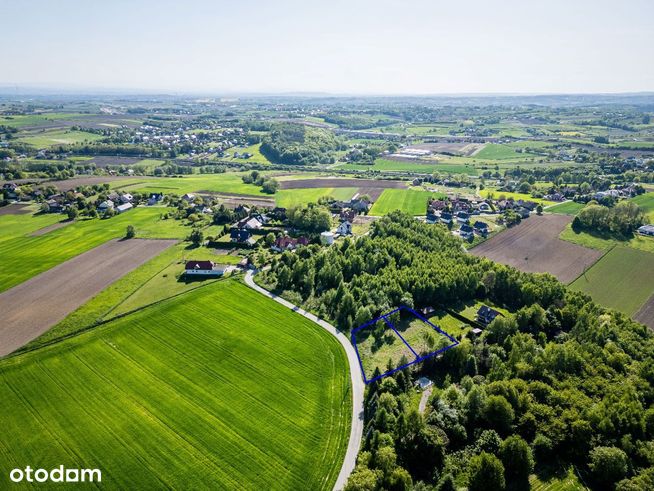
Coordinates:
(357,382)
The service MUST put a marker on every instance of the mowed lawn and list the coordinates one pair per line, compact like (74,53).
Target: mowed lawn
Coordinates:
(24,256)
(220,388)
(621,279)
(410,201)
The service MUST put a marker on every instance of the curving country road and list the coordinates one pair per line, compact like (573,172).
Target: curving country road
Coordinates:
(357,381)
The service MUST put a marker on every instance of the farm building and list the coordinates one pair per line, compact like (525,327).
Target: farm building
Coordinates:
(203,268)
(105,205)
(486,315)
(124,207)
(155,198)
(646,230)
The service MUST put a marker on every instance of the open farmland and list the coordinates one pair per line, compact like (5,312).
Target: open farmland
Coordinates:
(646,202)
(174,396)
(622,279)
(229,182)
(62,289)
(25,255)
(566,208)
(410,201)
(58,137)
(340,183)
(297,197)
(534,246)
(646,313)
(445,166)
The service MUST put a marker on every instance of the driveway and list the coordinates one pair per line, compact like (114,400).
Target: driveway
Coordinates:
(357,381)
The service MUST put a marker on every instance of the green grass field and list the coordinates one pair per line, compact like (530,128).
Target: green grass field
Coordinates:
(562,480)
(257,156)
(621,279)
(21,121)
(396,165)
(604,243)
(646,202)
(408,200)
(24,256)
(566,208)
(58,137)
(296,197)
(229,182)
(516,196)
(498,151)
(194,392)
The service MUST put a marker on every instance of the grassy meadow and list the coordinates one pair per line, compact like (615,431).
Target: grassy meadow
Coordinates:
(58,137)
(173,396)
(566,208)
(408,200)
(621,279)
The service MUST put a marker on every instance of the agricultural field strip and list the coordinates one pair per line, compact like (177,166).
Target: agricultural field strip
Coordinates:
(64,288)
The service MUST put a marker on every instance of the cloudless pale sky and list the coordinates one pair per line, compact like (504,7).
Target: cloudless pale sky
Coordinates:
(335,46)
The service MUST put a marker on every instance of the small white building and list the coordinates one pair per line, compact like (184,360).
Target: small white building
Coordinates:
(124,207)
(327,238)
(105,205)
(126,198)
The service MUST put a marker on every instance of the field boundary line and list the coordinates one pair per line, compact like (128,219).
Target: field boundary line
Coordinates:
(583,273)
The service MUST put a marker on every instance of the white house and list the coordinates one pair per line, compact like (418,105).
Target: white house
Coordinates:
(203,268)
(126,198)
(345,228)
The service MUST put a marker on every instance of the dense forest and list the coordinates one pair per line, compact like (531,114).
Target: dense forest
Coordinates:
(560,382)
(295,144)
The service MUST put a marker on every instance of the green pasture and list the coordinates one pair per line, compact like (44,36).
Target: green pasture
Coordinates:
(566,208)
(218,388)
(605,242)
(419,167)
(500,151)
(621,279)
(410,201)
(229,182)
(21,121)
(495,194)
(58,137)
(646,202)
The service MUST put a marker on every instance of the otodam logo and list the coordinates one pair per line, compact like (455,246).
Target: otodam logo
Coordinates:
(58,474)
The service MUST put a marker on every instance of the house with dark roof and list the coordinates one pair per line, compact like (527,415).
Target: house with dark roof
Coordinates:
(462,217)
(486,315)
(241,236)
(203,268)
(446,217)
(466,232)
(481,228)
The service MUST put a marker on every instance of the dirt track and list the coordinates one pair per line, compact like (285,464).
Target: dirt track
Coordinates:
(31,308)
(534,246)
(646,313)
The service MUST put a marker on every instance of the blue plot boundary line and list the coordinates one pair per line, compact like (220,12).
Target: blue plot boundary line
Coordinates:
(418,358)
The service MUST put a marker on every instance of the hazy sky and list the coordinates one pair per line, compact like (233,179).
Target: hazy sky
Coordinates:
(387,47)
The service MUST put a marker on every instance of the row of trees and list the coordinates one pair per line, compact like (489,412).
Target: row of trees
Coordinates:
(622,219)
